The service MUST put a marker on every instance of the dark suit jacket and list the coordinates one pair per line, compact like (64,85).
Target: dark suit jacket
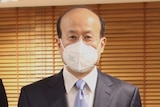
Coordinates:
(3,97)
(50,92)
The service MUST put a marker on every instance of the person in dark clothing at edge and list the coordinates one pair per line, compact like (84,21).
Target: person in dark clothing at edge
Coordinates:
(3,96)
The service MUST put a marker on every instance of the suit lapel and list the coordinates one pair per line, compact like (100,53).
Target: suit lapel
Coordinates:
(103,91)
(55,91)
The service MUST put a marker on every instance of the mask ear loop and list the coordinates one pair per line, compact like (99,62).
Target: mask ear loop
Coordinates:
(99,44)
(61,43)
(63,49)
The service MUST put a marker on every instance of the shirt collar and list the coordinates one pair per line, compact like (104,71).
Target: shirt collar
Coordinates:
(70,80)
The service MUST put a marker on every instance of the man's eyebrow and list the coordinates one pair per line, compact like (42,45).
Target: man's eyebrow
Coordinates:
(71,31)
(87,31)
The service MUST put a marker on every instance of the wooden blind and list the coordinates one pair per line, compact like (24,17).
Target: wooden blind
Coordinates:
(8,54)
(152,54)
(28,49)
(124,53)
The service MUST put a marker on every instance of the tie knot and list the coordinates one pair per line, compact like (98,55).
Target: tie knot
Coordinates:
(80,84)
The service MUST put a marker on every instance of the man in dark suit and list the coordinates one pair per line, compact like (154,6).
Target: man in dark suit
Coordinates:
(81,42)
(3,97)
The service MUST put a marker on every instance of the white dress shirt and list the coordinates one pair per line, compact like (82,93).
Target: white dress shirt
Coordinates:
(71,91)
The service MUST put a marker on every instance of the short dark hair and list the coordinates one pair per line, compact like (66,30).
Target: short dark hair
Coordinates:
(102,22)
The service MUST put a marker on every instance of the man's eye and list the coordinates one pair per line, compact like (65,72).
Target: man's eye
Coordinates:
(87,37)
(73,37)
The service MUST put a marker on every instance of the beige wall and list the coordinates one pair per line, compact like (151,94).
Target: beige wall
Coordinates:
(28,3)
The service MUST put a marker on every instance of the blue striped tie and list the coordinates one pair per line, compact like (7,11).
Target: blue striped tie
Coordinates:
(80,100)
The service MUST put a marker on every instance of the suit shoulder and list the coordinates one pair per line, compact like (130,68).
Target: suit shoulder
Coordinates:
(118,82)
(119,86)
(43,82)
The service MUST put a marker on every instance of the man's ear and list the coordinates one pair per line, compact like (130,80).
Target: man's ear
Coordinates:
(59,45)
(58,42)
(103,43)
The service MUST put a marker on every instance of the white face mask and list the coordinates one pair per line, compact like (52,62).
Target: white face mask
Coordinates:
(79,56)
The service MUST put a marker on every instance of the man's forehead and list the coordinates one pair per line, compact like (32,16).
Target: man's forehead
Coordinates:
(79,12)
